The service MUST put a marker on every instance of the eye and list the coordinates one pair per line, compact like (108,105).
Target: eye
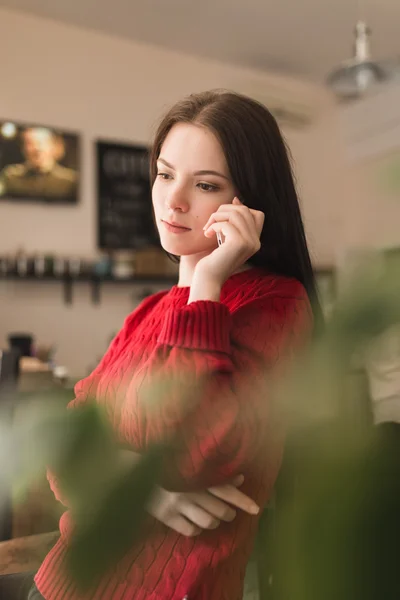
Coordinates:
(164,175)
(208,187)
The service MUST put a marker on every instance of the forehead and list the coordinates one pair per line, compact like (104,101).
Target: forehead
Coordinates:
(194,148)
(37,135)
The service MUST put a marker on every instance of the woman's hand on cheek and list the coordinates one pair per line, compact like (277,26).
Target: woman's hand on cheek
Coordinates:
(241,229)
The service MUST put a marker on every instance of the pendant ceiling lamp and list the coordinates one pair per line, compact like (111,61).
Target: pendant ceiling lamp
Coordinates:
(360,74)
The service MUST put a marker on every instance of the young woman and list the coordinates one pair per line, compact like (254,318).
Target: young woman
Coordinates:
(225,204)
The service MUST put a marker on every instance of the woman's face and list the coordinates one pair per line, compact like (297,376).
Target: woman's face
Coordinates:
(192,182)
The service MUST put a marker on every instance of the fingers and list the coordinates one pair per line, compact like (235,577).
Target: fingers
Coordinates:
(246,232)
(213,506)
(190,514)
(196,514)
(248,222)
(258,215)
(228,230)
(247,245)
(234,217)
(181,513)
(226,211)
(183,526)
(253,217)
(238,480)
(230,494)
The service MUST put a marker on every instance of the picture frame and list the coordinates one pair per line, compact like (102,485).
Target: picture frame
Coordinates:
(39,163)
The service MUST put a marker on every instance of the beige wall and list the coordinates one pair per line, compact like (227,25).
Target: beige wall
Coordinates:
(372,133)
(111,88)
(379,204)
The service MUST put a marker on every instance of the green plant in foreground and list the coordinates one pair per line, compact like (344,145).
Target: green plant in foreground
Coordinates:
(336,527)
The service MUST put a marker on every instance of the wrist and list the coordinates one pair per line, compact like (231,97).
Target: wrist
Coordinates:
(204,288)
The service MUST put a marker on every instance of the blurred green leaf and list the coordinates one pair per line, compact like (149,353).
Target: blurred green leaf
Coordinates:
(337,524)
(87,461)
(337,533)
(103,536)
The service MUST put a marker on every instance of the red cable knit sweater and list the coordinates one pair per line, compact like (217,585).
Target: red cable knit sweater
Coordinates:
(231,429)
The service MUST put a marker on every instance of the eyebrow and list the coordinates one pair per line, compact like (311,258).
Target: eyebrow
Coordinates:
(203,172)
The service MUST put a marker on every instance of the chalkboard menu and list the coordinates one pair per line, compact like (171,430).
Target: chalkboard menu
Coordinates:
(124,205)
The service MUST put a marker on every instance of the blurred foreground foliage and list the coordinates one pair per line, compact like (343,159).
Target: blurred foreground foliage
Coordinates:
(336,527)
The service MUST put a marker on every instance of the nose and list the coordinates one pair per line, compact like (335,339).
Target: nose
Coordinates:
(177,199)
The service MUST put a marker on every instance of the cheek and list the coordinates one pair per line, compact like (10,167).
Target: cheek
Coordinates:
(204,212)
(156,198)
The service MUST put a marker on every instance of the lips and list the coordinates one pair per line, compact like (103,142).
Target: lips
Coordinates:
(175,227)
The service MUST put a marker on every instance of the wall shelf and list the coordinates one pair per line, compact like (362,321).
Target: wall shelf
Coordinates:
(68,281)
(94,281)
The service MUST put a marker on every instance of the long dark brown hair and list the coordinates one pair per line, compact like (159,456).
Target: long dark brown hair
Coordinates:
(260,167)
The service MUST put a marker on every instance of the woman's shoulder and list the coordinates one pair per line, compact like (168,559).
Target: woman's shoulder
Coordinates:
(279,285)
(263,298)
(256,284)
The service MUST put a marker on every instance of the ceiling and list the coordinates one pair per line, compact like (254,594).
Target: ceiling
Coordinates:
(300,37)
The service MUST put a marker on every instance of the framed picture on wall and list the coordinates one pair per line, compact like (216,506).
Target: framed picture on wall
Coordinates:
(38,163)
(124,206)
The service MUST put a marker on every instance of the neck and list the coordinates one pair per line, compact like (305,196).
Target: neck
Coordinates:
(187,266)
(45,167)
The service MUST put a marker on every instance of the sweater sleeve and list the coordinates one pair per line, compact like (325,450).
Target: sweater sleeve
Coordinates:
(85,390)
(205,386)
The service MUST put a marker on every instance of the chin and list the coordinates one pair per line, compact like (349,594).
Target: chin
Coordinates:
(184,248)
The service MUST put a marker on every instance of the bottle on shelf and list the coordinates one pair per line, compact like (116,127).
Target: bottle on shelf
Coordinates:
(21,262)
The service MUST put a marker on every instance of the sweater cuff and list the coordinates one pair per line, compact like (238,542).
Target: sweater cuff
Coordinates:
(201,325)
